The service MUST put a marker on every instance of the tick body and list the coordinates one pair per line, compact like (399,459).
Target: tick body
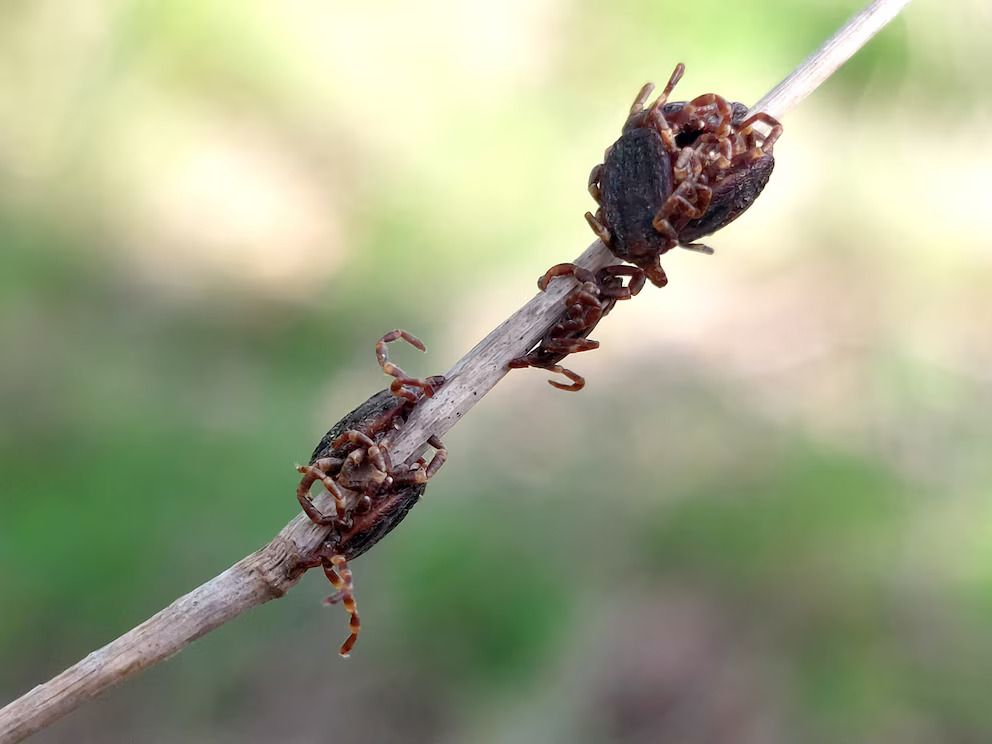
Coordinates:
(732,196)
(585,306)
(334,464)
(679,171)
(371,496)
(635,182)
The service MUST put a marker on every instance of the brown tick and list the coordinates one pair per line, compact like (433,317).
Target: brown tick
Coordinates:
(678,172)
(585,306)
(370,496)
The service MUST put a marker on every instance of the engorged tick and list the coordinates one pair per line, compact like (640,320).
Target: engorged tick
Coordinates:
(370,496)
(679,171)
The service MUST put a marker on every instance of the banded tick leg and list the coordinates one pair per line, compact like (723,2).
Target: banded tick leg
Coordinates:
(597,227)
(656,114)
(655,274)
(768,144)
(637,107)
(420,473)
(697,114)
(318,471)
(578,381)
(564,269)
(353,436)
(594,183)
(566,346)
(339,574)
(634,286)
(370,481)
(402,379)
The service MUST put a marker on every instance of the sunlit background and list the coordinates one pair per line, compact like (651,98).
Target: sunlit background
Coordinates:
(766,519)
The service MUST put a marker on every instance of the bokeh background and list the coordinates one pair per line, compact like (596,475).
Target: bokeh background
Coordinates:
(766,519)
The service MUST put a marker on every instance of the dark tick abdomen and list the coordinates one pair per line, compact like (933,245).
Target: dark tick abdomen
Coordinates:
(731,198)
(388,509)
(635,182)
(386,513)
(359,418)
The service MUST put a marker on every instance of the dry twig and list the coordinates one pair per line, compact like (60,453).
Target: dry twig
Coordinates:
(271,571)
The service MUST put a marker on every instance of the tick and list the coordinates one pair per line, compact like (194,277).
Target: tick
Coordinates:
(371,497)
(678,172)
(585,306)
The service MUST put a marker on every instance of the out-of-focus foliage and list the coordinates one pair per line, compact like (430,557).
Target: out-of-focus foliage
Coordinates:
(767,517)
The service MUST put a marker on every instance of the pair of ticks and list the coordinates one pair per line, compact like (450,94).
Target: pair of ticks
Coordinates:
(679,171)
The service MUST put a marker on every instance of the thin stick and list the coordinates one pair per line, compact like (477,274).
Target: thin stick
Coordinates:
(826,60)
(271,571)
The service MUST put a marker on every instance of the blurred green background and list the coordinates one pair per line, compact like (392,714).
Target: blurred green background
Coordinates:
(767,517)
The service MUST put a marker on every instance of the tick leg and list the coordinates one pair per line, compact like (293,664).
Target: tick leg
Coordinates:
(440,455)
(421,474)
(585,295)
(594,183)
(718,152)
(311,473)
(670,85)
(413,475)
(578,382)
(402,380)
(317,556)
(699,110)
(656,274)
(633,287)
(688,209)
(339,574)
(667,135)
(679,208)
(687,166)
(369,481)
(744,141)
(395,335)
(571,327)
(667,91)
(353,436)
(656,115)
(570,345)
(768,144)
(597,227)
(698,248)
(583,309)
(566,330)
(704,195)
(564,269)
(663,226)
(638,105)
